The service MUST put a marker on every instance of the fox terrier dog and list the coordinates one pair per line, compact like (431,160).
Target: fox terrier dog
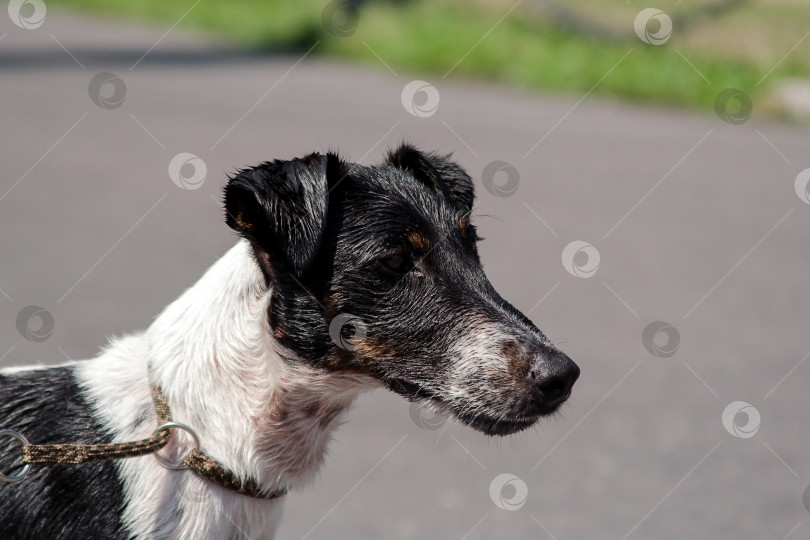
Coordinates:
(346,278)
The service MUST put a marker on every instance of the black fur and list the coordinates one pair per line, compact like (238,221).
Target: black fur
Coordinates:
(281,207)
(414,209)
(71,502)
(437,172)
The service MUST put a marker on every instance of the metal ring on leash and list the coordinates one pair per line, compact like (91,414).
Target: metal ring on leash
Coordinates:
(22,474)
(164,462)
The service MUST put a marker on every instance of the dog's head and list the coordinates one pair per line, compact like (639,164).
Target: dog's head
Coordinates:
(376,270)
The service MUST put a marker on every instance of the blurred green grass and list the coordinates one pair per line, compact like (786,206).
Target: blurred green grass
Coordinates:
(530,47)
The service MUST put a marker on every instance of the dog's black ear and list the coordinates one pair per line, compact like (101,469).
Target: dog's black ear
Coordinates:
(280,207)
(436,171)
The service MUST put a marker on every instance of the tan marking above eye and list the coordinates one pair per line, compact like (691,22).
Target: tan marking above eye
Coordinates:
(464,224)
(418,241)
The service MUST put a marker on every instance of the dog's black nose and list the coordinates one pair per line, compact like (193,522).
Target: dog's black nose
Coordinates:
(552,377)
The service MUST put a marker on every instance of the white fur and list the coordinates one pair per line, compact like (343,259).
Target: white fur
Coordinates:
(477,359)
(214,357)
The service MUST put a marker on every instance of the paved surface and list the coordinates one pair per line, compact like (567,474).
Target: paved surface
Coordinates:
(696,223)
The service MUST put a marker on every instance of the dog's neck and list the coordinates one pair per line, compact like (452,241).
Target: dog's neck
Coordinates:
(214,357)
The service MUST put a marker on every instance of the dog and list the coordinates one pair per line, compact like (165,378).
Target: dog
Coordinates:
(345,278)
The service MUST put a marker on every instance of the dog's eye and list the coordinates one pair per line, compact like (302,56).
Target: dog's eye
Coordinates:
(396,262)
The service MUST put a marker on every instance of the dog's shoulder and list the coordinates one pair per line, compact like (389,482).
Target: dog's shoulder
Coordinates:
(48,406)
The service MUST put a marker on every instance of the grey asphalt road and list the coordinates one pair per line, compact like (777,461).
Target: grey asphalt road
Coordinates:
(681,218)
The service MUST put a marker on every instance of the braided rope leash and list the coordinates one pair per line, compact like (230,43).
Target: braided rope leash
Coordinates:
(74,454)
(195,460)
